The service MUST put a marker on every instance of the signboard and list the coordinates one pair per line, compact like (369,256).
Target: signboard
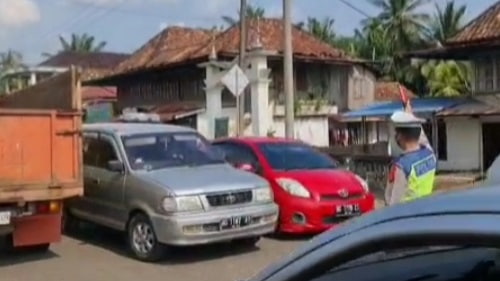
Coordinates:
(100,112)
(235,80)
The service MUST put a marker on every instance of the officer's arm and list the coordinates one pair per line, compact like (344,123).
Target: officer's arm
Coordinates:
(397,185)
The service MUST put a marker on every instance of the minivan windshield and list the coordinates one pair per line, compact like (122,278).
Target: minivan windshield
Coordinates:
(164,150)
(295,156)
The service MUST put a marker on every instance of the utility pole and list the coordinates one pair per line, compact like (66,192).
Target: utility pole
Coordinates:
(240,99)
(288,68)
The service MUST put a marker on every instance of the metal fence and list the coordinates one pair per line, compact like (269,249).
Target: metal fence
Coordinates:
(373,168)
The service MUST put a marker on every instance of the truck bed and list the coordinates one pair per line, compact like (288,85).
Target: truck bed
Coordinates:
(40,155)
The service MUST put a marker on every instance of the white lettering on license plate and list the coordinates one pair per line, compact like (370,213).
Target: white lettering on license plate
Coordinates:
(347,209)
(4,218)
(234,222)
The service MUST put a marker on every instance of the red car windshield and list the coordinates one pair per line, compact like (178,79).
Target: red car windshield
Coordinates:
(295,156)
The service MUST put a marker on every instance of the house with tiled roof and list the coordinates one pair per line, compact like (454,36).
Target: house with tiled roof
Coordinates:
(475,125)
(183,65)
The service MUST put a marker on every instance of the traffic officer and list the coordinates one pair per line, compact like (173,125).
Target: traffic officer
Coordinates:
(411,175)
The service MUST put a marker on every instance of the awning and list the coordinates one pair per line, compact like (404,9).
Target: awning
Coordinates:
(172,111)
(420,106)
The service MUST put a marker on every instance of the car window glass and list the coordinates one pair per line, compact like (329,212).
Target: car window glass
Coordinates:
(89,155)
(429,263)
(165,150)
(105,152)
(238,153)
(295,156)
(493,175)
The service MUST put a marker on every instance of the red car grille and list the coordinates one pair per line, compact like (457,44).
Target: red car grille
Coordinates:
(333,197)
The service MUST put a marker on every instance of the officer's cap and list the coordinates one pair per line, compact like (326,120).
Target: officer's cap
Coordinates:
(402,119)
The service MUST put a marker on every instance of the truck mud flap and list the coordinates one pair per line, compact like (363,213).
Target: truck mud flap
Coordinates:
(36,230)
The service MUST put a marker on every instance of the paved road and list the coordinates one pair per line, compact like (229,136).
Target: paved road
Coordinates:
(99,255)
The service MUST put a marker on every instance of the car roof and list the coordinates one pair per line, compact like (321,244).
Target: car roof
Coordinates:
(135,128)
(483,200)
(259,140)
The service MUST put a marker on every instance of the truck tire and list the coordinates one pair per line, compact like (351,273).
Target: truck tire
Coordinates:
(69,222)
(142,240)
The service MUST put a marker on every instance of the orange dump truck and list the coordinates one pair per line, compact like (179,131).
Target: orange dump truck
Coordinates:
(40,161)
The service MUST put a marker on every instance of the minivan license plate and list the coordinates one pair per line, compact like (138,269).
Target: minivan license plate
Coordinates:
(4,218)
(235,222)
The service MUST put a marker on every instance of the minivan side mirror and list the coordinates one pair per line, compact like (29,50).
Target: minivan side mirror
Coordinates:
(246,167)
(116,166)
(249,167)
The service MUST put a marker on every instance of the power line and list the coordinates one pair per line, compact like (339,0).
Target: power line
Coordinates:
(356,9)
(69,25)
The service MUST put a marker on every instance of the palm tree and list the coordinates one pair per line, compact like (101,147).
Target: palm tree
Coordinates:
(9,61)
(252,12)
(447,78)
(83,43)
(322,30)
(402,21)
(446,23)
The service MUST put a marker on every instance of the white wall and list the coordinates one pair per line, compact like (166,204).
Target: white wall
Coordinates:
(229,112)
(464,137)
(312,130)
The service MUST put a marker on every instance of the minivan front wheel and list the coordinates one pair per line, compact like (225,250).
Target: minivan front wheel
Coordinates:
(142,239)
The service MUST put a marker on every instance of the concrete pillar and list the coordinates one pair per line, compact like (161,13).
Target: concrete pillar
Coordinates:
(213,92)
(261,112)
(32,79)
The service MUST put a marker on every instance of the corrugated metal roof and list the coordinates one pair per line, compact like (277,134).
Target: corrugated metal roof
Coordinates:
(425,105)
(470,107)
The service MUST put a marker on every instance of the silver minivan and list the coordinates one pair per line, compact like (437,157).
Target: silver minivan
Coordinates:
(166,185)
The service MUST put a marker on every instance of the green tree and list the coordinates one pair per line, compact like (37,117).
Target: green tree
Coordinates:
(81,43)
(10,61)
(446,23)
(403,22)
(447,78)
(321,29)
(252,12)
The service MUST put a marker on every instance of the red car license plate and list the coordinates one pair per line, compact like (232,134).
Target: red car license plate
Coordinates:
(235,222)
(347,210)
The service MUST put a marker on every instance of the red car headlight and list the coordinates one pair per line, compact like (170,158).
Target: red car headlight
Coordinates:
(363,183)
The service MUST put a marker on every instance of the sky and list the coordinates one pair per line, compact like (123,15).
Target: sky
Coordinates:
(32,27)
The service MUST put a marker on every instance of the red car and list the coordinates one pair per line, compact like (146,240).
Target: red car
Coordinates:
(313,193)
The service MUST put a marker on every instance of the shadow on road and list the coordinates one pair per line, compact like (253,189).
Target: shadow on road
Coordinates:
(115,242)
(9,258)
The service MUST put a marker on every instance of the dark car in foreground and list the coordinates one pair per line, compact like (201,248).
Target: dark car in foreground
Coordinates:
(440,238)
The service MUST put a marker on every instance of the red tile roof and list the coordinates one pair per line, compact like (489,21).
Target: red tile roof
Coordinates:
(486,26)
(85,60)
(270,32)
(389,91)
(98,93)
(180,44)
(172,45)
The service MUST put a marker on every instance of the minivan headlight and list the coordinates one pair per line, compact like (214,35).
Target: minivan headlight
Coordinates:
(263,194)
(182,204)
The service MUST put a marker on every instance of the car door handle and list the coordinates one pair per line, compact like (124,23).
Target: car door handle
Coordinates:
(96,181)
